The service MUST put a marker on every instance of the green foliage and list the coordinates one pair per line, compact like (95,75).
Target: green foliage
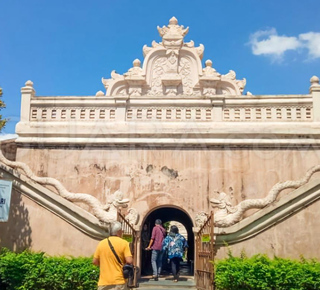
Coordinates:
(27,270)
(262,273)
(166,226)
(2,121)
(36,271)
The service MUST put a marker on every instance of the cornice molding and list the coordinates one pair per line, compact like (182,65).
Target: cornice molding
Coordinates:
(163,134)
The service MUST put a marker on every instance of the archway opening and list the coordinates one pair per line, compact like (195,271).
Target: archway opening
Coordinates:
(168,215)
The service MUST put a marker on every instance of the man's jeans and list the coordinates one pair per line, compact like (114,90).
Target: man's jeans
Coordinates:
(156,262)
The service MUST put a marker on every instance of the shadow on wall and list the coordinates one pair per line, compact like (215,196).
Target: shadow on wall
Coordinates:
(16,233)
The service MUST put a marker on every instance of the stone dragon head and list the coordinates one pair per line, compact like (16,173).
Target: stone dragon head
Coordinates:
(116,200)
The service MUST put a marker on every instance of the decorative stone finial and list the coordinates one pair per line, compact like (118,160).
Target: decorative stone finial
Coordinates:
(173,34)
(136,63)
(208,63)
(209,71)
(173,21)
(28,88)
(100,94)
(0,91)
(314,80)
(135,71)
(315,86)
(29,84)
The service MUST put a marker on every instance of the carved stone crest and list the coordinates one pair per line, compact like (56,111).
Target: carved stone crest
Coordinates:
(173,68)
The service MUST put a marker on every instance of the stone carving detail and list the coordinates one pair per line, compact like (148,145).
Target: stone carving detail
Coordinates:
(200,219)
(105,213)
(133,216)
(209,70)
(172,68)
(227,215)
(136,70)
(185,72)
(172,35)
(157,72)
(135,79)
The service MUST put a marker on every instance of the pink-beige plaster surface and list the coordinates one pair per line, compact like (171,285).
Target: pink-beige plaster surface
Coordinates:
(183,178)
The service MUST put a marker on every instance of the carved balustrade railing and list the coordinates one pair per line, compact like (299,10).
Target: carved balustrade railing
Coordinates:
(223,109)
(69,114)
(265,114)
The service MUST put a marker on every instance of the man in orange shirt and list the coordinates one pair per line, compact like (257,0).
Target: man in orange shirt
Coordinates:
(111,275)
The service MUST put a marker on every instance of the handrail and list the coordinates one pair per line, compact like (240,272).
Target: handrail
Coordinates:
(269,216)
(66,210)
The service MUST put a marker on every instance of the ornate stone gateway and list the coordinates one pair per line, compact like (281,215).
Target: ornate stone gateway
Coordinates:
(171,68)
(174,137)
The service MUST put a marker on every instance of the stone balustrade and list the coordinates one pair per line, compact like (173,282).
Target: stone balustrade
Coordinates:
(254,109)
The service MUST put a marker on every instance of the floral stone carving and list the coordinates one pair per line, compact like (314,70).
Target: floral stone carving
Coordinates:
(173,68)
(200,219)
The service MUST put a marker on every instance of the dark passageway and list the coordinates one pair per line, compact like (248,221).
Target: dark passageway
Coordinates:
(167,214)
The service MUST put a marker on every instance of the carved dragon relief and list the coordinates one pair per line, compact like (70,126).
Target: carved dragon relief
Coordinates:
(167,71)
(227,215)
(104,213)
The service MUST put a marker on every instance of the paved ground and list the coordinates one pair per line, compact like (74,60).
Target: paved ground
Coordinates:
(186,279)
(166,282)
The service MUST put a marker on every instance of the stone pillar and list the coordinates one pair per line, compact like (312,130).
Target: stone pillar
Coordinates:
(217,105)
(315,92)
(138,246)
(121,107)
(27,93)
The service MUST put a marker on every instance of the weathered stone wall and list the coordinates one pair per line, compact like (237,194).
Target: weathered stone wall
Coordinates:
(298,235)
(186,178)
(31,226)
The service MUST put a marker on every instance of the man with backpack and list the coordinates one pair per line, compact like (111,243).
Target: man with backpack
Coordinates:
(111,267)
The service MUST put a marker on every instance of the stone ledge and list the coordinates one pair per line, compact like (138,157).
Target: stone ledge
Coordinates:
(253,134)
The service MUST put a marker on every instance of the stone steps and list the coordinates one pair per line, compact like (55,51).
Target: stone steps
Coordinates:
(185,282)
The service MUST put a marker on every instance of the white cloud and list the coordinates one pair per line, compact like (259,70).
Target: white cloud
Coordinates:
(269,43)
(8,136)
(272,44)
(311,41)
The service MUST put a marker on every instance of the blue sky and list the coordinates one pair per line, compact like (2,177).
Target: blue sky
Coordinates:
(66,47)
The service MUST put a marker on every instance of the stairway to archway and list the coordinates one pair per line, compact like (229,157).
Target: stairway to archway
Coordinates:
(169,214)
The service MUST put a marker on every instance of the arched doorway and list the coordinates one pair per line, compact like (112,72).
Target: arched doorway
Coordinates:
(168,214)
